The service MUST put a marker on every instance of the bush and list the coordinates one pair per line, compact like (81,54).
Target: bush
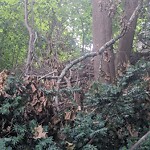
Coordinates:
(114,116)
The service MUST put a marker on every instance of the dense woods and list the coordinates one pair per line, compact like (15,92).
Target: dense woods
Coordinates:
(74,74)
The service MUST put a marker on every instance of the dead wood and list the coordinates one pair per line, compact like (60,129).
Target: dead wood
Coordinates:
(101,50)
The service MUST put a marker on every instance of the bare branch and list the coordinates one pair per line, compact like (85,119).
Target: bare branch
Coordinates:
(48,75)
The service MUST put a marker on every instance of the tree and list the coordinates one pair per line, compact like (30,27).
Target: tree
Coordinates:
(104,68)
(126,42)
(13,36)
(32,38)
(103,11)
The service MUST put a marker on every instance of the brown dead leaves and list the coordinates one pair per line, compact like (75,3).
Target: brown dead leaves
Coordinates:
(70,115)
(39,133)
(3,77)
(37,99)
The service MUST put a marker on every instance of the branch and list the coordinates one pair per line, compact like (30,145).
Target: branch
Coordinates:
(48,75)
(135,13)
(26,16)
(140,141)
(101,50)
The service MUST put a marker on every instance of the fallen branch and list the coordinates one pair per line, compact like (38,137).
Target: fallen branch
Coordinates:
(101,50)
(140,141)
(104,47)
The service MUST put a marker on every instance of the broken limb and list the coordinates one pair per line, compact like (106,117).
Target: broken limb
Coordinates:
(101,50)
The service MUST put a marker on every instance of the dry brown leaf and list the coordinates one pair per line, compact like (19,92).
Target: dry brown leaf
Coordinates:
(79,108)
(126,64)
(68,115)
(70,146)
(107,78)
(39,133)
(39,108)
(33,88)
(26,80)
(120,73)
(147,78)
(132,131)
(73,116)
(55,120)
(34,100)
(43,100)
(3,76)
(48,84)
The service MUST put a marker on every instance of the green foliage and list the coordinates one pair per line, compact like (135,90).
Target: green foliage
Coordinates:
(124,105)
(47,144)
(62,27)
(146,144)
(114,116)
(143,27)
(16,131)
(117,115)
(86,128)
(13,35)
(88,146)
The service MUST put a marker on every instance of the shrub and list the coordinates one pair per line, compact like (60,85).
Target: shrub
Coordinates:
(114,116)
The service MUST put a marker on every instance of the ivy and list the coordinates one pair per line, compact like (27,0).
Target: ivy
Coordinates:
(114,116)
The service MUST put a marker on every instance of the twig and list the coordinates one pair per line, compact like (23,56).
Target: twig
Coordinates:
(47,75)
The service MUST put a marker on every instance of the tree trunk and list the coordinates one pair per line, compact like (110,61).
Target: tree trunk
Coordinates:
(31,38)
(104,68)
(126,42)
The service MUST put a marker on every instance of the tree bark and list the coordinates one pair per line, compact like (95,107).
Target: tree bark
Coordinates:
(104,70)
(126,42)
(94,54)
(32,39)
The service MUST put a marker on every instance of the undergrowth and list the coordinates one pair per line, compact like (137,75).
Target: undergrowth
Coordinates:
(114,116)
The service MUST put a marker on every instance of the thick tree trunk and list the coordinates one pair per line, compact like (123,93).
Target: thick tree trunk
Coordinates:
(126,42)
(104,70)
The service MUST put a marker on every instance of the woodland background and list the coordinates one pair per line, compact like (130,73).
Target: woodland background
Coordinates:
(75,74)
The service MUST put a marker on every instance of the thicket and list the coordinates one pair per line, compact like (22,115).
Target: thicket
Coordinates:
(113,117)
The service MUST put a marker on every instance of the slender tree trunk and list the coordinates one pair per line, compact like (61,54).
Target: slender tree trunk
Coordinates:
(126,42)
(31,38)
(148,2)
(104,68)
